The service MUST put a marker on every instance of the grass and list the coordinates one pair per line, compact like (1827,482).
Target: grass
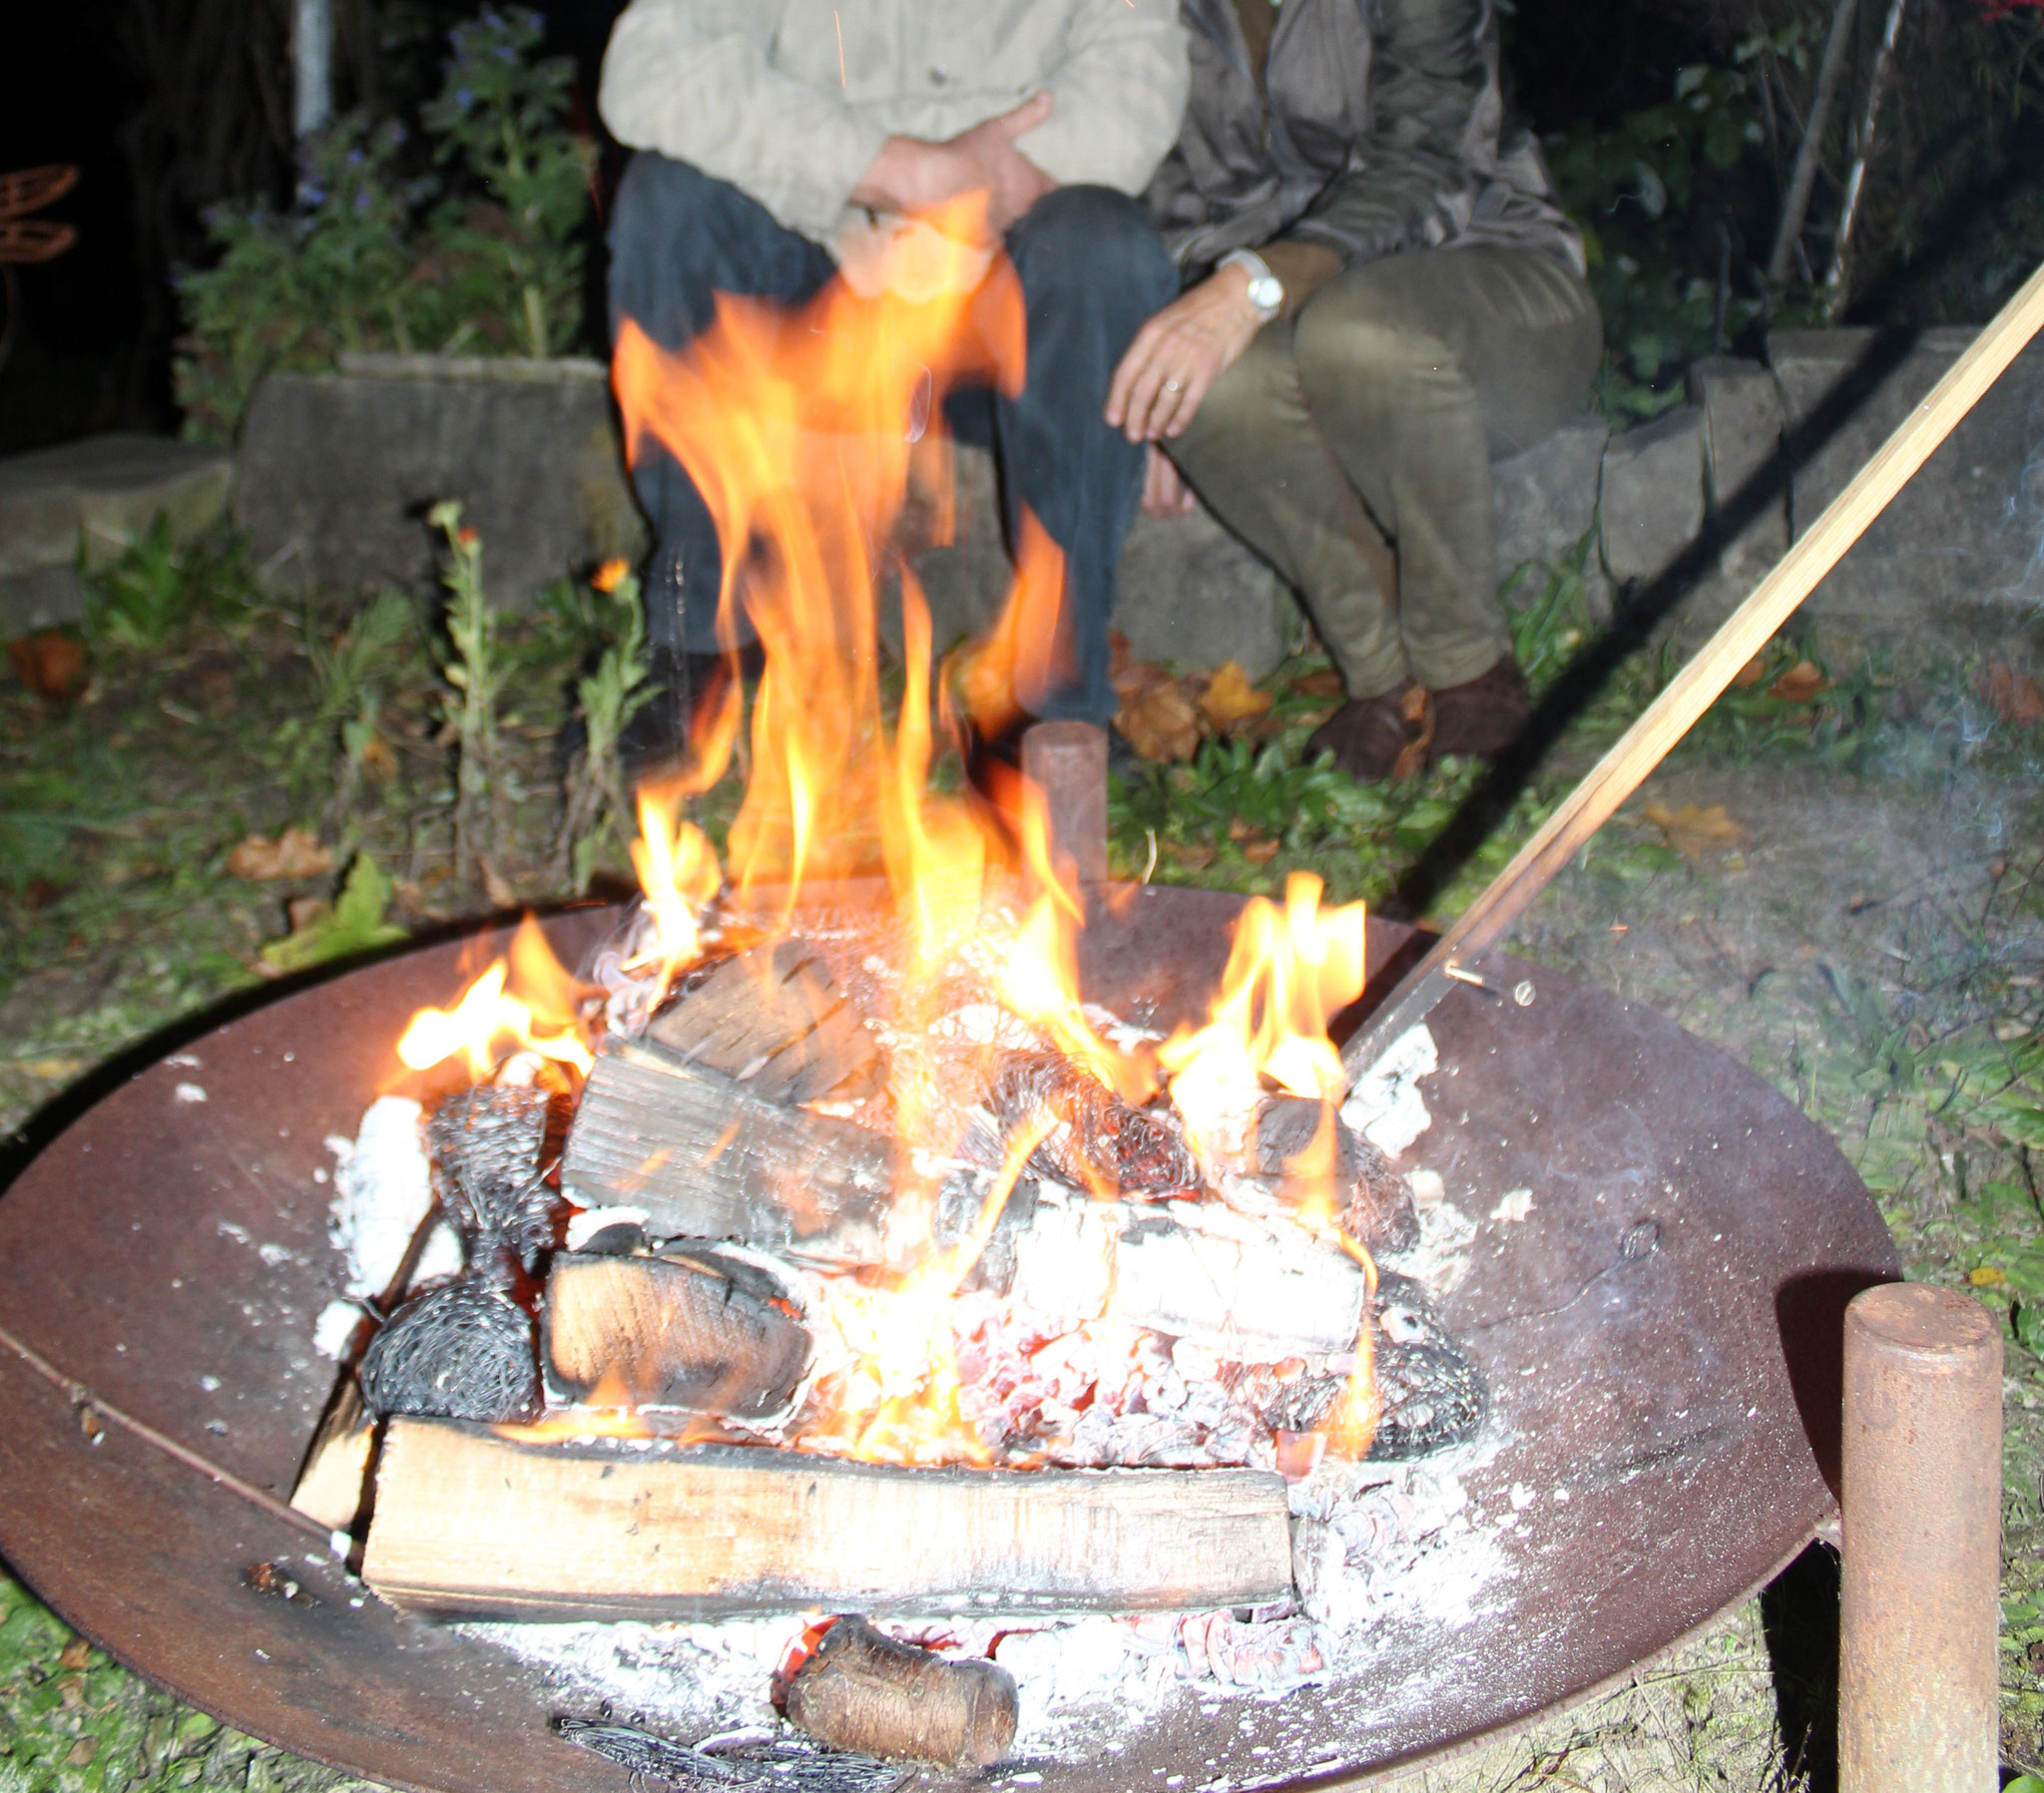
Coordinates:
(1869,937)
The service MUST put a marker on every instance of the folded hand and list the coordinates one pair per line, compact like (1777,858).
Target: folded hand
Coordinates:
(912,173)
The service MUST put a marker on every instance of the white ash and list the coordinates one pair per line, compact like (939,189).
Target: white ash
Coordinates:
(333,1333)
(1438,1258)
(1385,1106)
(1513,1206)
(383,1189)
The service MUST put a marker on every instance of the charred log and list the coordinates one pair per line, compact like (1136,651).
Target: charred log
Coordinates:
(1095,1140)
(486,1144)
(1371,1197)
(860,1690)
(1433,1394)
(785,1765)
(669,1332)
(774,1019)
(463,1351)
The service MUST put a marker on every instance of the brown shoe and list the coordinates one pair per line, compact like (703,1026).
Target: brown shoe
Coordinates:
(1374,738)
(1482,716)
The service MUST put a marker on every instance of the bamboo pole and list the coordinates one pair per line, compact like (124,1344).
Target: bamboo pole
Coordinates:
(1699,685)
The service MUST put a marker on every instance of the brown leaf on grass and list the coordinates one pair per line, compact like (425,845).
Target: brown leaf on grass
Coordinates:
(1799,683)
(76,1654)
(1258,851)
(50,663)
(303,912)
(1752,672)
(1160,721)
(1229,699)
(2012,695)
(81,1752)
(1326,682)
(1194,855)
(296,853)
(379,760)
(1695,832)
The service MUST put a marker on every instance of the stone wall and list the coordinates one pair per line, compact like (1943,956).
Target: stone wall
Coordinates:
(337,471)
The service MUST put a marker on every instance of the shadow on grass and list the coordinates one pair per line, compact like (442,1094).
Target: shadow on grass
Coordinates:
(1799,1620)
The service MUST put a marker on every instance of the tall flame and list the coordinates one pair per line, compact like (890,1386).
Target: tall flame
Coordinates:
(491,1017)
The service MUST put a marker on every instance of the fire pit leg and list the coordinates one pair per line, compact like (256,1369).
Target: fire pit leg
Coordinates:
(1919,1609)
(1067,761)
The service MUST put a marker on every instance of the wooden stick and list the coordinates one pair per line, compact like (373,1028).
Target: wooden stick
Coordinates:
(469,1522)
(1700,683)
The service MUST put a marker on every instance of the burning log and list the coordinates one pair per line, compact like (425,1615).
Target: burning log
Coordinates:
(463,1351)
(706,1157)
(861,1690)
(1254,1290)
(669,1332)
(1096,1141)
(776,1020)
(1372,1200)
(470,1523)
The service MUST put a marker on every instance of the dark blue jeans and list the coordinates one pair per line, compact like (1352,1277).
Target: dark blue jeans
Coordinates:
(1092,270)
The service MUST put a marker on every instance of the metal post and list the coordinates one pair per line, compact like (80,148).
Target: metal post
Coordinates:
(1067,762)
(1919,1607)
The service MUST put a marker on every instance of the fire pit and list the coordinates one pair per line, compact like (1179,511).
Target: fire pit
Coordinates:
(1662,1251)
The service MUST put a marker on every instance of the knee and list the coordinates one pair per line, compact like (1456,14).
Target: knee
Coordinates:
(1352,352)
(1098,236)
(667,217)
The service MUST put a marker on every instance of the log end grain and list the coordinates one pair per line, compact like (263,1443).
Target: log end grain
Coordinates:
(861,1690)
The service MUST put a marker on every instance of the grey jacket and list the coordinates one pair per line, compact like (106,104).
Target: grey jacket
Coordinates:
(1387,130)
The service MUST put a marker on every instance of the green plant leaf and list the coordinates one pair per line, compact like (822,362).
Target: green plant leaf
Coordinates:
(355,924)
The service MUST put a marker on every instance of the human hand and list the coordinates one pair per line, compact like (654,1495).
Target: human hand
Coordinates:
(912,173)
(1165,492)
(1179,354)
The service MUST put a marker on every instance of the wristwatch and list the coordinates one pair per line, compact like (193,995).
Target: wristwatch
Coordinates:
(1267,291)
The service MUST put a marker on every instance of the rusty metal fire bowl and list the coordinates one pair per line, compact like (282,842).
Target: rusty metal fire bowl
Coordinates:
(1661,1331)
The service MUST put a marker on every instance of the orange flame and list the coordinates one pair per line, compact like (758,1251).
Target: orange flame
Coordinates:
(489,1014)
(1288,972)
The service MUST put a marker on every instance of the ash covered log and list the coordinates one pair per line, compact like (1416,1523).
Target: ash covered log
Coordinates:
(1372,1200)
(1249,1288)
(706,1157)
(860,1690)
(466,1522)
(669,1332)
(775,1020)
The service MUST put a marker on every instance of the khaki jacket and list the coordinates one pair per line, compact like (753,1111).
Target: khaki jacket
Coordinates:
(791,100)
(1386,130)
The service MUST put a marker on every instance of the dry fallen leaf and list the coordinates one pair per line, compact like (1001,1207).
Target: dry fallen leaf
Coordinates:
(1160,721)
(1750,673)
(50,663)
(2013,697)
(81,1752)
(296,853)
(497,886)
(1326,682)
(1695,830)
(1229,699)
(1260,852)
(303,912)
(76,1654)
(1799,683)
(1194,855)
(379,760)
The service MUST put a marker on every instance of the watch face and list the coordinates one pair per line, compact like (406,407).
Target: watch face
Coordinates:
(1267,292)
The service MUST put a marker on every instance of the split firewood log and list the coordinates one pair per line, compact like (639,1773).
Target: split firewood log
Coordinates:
(335,1471)
(775,1020)
(674,1332)
(468,1521)
(705,1157)
(861,1690)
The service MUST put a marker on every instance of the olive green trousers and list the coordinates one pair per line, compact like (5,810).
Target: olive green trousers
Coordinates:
(1351,443)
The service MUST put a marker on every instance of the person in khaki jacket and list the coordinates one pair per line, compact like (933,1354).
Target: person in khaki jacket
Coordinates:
(1381,295)
(780,140)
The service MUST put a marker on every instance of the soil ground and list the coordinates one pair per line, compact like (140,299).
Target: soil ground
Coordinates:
(1841,887)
